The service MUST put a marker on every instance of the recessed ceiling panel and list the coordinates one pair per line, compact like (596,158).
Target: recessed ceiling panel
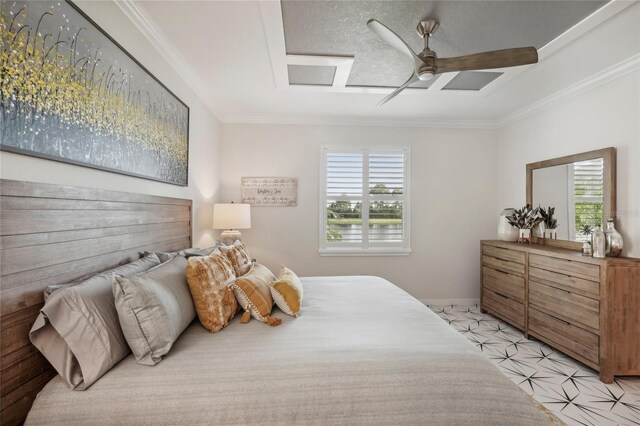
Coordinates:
(471,80)
(314,75)
(338,28)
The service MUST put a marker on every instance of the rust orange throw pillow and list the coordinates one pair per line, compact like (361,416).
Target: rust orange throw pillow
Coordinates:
(238,256)
(253,294)
(210,281)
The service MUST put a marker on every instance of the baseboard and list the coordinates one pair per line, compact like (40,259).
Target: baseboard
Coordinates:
(446,302)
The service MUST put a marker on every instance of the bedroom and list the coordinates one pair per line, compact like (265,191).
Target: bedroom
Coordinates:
(270,93)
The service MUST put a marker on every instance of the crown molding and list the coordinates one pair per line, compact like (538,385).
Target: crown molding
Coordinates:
(150,30)
(598,79)
(361,121)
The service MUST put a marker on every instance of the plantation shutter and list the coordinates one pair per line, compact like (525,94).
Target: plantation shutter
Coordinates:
(386,196)
(345,174)
(588,191)
(364,199)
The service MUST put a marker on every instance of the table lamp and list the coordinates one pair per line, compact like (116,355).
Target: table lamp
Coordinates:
(231,217)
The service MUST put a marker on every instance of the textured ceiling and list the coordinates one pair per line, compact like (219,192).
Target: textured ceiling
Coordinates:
(311,74)
(471,80)
(339,28)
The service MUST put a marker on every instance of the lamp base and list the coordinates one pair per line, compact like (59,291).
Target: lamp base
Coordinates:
(230,236)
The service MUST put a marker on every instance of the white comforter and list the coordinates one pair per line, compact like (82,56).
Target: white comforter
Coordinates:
(362,352)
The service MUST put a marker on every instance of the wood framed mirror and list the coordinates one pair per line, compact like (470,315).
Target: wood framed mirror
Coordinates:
(581,188)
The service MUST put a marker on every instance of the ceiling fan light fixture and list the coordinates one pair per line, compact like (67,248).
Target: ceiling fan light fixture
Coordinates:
(426,75)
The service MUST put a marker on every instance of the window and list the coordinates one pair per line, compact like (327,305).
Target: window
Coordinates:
(364,201)
(586,190)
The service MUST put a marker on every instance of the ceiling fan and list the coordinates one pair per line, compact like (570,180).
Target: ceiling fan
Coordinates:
(427,64)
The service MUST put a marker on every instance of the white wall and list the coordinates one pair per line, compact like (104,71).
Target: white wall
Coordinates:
(204,137)
(608,115)
(453,195)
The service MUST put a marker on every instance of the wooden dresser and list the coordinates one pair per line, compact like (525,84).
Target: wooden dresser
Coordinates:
(585,307)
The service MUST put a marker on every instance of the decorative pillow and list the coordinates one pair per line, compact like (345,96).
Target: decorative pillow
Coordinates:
(287,292)
(78,330)
(210,279)
(154,308)
(238,257)
(253,294)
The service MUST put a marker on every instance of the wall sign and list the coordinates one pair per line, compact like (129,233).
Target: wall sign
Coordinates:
(71,93)
(270,191)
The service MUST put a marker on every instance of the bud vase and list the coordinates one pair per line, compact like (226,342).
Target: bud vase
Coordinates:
(598,242)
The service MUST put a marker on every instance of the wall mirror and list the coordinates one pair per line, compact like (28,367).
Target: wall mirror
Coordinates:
(581,187)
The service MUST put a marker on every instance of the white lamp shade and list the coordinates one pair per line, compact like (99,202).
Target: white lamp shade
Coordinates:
(231,216)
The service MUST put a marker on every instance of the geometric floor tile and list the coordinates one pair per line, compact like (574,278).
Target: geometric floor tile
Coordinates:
(569,389)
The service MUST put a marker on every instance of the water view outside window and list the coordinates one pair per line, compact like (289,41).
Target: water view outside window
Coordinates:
(588,197)
(375,180)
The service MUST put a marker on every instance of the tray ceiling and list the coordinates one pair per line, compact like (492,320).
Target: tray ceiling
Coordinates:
(232,54)
(338,28)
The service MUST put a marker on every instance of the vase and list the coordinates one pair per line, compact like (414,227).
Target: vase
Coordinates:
(598,242)
(613,240)
(551,234)
(524,236)
(506,232)
(539,230)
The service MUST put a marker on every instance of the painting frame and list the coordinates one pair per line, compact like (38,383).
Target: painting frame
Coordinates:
(148,73)
(267,191)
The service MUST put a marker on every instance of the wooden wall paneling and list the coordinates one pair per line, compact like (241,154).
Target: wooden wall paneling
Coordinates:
(54,234)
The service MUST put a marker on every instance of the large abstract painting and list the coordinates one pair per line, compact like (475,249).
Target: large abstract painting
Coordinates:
(69,92)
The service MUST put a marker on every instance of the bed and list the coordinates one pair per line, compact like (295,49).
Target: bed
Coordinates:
(362,352)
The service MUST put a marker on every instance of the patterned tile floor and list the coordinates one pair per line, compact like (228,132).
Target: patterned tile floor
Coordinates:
(566,387)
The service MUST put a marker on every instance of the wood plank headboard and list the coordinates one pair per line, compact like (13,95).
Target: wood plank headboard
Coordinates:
(52,234)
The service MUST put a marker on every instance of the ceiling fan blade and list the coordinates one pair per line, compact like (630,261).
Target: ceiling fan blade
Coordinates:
(395,93)
(488,60)
(392,39)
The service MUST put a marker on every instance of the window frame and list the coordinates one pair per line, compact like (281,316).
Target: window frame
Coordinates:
(364,248)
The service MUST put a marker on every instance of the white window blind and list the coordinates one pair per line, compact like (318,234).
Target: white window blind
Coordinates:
(364,201)
(587,188)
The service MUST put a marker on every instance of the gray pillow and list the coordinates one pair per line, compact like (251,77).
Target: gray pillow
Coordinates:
(193,251)
(77,329)
(154,308)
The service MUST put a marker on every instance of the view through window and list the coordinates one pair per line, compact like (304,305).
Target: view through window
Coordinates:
(365,199)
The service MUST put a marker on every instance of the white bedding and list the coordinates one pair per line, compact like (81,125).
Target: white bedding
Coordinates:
(362,352)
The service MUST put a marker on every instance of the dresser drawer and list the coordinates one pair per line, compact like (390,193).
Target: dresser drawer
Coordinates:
(564,336)
(504,254)
(573,308)
(503,307)
(566,282)
(508,285)
(566,267)
(503,265)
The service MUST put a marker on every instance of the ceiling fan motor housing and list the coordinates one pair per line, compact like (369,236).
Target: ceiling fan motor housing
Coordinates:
(428,69)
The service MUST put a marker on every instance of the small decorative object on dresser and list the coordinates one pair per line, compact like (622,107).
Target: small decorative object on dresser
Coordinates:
(613,240)
(598,242)
(507,232)
(583,306)
(550,223)
(524,219)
